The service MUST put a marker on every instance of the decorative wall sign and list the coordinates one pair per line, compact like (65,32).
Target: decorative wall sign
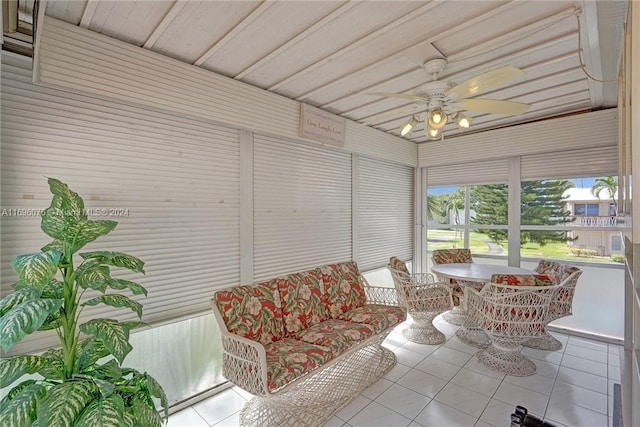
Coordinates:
(321,126)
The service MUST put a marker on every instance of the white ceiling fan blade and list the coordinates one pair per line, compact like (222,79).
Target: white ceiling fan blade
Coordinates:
(494,106)
(487,81)
(399,95)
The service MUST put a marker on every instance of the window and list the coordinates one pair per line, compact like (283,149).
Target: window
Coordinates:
(586,209)
(616,243)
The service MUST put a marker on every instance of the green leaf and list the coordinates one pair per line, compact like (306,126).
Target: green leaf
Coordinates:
(114,336)
(89,351)
(21,409)
(65,402)
(129,419)
(110,369)
(53,367)
(117,259)
(115,300)
(105,387)
(37,269)
(134,324)
(53,290)
(70,202)
(25,318)
(145,413)
(56,245)
(54,221)
(12,368)
(14,392)
(156,390)
(120,284)
(17,298)
(93,275)
(107,412)
(83,232)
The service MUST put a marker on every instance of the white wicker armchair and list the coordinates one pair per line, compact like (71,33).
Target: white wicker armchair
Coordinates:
(424,299)
(561,303)
(457,315)
(510,315)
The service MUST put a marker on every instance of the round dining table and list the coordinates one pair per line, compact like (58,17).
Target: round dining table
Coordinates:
(475,275)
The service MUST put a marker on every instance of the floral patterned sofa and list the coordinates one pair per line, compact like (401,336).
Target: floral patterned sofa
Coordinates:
(305,344)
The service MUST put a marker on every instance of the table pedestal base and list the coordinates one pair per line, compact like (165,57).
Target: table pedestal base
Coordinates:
(457,316)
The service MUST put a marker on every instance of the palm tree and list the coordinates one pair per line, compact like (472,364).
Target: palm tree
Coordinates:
(609,183)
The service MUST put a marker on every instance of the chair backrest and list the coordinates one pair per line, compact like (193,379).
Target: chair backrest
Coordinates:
(522,279)
(566,276)
(427,295)
(451,256)
(396,264)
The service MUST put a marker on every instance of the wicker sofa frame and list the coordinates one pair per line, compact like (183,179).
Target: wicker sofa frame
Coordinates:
(313,396)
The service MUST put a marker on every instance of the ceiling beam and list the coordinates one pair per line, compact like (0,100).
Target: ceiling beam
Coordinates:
(248,20)
(89,11)
(162,26)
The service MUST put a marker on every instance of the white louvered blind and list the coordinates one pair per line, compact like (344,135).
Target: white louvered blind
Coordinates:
(302,206)
(476,173)
(174,180)
(385,212)
(599,161)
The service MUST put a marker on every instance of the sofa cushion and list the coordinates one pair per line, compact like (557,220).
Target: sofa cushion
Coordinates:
(288,359)
(252,311)
(396,264)
(380,317)
(343,289)
(451,256)
(303,300)
(336,335)
(523,279)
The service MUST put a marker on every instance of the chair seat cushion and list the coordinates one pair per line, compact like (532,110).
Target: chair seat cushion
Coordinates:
(288,359)
(335,335)
(380,317)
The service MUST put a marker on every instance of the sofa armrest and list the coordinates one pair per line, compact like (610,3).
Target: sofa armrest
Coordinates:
(244,363)
(381,295)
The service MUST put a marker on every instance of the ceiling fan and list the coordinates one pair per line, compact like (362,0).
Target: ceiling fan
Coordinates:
(444,101)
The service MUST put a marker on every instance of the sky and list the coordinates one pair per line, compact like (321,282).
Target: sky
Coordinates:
(579,182)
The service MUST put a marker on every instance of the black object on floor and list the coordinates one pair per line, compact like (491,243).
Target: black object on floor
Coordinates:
(617,405)
(520,418)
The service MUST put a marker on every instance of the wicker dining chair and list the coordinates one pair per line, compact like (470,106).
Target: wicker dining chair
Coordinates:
(424,299)
(566,277)
(511,313)
(456,316)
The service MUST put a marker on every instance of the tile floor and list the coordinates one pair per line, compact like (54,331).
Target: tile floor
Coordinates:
(445,386)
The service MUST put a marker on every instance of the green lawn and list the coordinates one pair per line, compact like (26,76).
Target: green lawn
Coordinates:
(478,243)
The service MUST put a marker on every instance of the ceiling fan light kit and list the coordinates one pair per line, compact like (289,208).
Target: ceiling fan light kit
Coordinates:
(443,100)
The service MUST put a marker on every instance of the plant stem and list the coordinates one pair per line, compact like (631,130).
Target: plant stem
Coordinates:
(69,337)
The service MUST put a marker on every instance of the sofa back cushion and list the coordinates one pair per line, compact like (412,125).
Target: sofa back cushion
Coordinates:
(523,279)
(303,300)
(451,256)
(343,288)
(252,311)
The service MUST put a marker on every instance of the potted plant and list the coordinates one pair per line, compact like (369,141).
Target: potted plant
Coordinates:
(82,383)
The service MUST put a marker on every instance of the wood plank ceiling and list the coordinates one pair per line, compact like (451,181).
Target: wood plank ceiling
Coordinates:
(333,54)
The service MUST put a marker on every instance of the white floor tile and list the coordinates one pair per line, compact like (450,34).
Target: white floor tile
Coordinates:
(481,423)
(586,353)
(438,414)
(355,406)
(586,398)
(220,406)
(575,416)
(498,413)
(408,357)
(376,414)
(403,400)
(452,356)
(549,356)
(187,418)
(377,388)
(534,382)
(232,421)
(476,366)
(475,381)
(438,368)
(587,343)
(422,383)
(334,422)
(535,402)
(463,399)
(455,344)
(581,379)
(423,349)
(396,372)
(584,365)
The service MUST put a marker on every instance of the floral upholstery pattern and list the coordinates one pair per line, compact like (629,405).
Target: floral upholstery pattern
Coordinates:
(451,256)
(343,288)
(557,271)
(287,359)
(303,300)
(336,335)
(396,264)
(252,311)
(523,279)
(380,317)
